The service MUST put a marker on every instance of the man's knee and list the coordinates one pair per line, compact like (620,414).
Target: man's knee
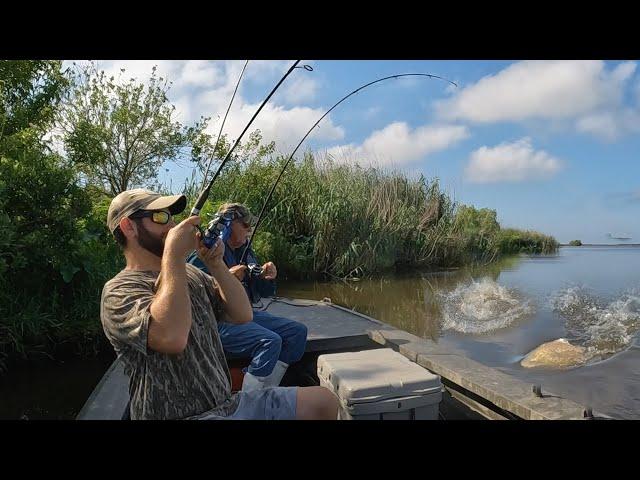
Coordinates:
(300,331)
(272,342)
(316,403)
(265,352)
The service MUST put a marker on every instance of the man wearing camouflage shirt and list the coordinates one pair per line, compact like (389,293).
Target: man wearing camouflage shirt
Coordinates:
(160,314)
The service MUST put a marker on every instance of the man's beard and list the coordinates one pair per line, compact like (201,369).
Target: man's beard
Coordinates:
(150,242)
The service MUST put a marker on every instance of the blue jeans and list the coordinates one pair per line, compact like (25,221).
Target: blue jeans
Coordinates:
(265,340)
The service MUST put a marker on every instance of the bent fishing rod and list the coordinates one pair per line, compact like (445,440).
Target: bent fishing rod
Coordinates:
(214,229)
(256,270)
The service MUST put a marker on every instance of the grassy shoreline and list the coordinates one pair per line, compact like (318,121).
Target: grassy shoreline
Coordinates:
(326,220)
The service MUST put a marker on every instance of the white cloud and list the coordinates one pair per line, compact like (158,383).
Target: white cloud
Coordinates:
(603,125)
(183,74)
(623,72)
(610,125)
(510,162)
(183,109)
(204,88)
(267,70)
(399,145)
(300,89)
(300,86)
(199,73)
(637,93)
(285,126)
(372,112)
(541,90)
(141,69)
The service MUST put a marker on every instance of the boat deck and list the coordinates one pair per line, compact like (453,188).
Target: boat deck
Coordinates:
(482,391)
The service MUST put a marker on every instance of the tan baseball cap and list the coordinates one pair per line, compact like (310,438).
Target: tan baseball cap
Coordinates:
(130,201)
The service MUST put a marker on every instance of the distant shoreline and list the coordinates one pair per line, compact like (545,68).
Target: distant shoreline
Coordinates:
(602,245)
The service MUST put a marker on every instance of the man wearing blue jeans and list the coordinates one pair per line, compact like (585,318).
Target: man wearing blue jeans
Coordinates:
(272,342)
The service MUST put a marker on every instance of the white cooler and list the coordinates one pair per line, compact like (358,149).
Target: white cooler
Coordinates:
(380,384)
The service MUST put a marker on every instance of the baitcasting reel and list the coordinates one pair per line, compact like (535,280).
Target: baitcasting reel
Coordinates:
(219,227)
(255,270)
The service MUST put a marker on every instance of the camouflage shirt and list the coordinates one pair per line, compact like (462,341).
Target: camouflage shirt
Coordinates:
(163,386)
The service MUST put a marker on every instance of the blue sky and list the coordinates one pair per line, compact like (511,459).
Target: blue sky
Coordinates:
(550,145)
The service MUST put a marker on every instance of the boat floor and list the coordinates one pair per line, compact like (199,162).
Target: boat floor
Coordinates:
(331,328)
(472,390)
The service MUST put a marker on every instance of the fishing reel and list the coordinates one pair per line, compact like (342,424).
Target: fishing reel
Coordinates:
(218,228)
(255,270)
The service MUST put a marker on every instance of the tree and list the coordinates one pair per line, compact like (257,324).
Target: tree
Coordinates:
(119,133)
(39,200)
(247,153)
(29,93)
(41,205)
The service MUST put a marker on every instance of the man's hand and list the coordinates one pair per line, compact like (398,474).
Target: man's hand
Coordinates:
(171,306)
(212,257)
(269,271)
(239,271)
(182,239)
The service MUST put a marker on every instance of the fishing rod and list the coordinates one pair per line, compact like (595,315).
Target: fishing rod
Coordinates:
(204,178)
(217,226)
(254,269)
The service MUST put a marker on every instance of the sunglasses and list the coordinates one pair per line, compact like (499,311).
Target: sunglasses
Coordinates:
(160,217)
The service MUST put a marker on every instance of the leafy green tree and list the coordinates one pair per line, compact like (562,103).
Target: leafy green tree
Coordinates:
(120,133)
(41,205)
(29,94)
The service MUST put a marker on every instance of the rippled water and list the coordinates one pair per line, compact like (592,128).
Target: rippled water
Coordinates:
(604,327)
(498,314)
(482,306)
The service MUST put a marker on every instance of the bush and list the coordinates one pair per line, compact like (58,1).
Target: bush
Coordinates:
(45,216)
(342,220)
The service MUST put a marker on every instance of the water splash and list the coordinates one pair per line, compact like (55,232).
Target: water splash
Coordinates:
(603,328)
(482,306)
